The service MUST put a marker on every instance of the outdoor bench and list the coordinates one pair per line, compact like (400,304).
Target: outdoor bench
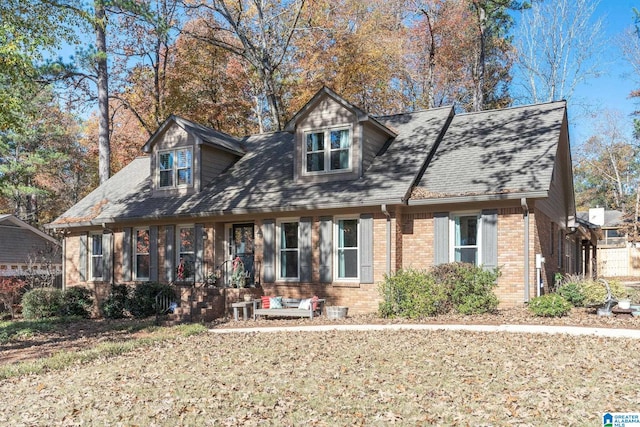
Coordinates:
(290,307)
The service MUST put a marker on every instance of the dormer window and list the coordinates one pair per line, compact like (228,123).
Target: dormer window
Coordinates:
(175,167)
(327,151)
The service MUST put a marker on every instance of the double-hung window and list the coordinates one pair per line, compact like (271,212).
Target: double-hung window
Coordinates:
(186,252)
(327,151)
(466,238)
(347,250)
(289,250)
(142,253)
(175,168)
(96,264)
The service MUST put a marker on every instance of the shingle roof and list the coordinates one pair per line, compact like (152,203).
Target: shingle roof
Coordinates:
(495,152)
(262,180)
(485,153)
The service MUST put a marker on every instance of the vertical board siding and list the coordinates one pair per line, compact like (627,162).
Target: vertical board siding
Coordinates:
(153,253)
(305,249)
(127,253)
(326,237)
(366,248)
(268,233)
(169,253)
(441,238)
(490,238)
(107,256)
(82,261)
(199,267)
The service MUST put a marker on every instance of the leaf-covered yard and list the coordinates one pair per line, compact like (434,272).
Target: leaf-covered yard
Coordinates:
(339,378)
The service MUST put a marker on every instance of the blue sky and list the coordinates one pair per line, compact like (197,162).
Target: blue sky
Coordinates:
(610,91)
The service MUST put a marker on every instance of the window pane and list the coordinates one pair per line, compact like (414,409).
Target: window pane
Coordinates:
(466,230)
(315,142)
(187,240)
(142,267)
(348,233)
(142,241)
(348,263)
(184,158)
(96,248)
(289,264)
(315,162)
(339,139)
(289,235)
(184,176)
(166,178)
(340,159)
(166,161)
(469,255)
(96,267)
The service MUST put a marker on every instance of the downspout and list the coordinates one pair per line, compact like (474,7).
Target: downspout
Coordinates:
(525,217)
(383,207)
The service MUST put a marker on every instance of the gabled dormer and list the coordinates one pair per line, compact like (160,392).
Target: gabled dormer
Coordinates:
(334,140)
(186,156)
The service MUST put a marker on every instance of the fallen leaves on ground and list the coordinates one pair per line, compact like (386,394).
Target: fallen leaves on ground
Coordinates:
(334,378)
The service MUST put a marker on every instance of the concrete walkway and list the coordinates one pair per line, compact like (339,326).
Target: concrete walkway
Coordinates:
(532,329)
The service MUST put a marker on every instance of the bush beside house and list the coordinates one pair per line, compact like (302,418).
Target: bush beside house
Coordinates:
(464,288)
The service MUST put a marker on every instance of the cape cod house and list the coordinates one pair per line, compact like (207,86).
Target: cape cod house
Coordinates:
(337,200)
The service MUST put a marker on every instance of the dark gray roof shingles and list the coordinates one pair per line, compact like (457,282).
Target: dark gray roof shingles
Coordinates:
(496,152)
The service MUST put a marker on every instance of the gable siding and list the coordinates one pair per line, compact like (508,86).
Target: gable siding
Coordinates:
(328,113)
(372,141)
(19,244)
(213,163)
(556,206)
(173,137)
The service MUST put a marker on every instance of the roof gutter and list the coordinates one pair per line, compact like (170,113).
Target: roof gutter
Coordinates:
(478,198)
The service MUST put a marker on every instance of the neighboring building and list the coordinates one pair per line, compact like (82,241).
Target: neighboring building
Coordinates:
(336,201)
(617,257)
(26,250)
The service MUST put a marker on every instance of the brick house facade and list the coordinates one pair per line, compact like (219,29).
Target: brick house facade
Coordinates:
(335,202)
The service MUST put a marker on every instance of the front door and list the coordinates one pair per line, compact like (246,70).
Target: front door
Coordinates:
(241,245)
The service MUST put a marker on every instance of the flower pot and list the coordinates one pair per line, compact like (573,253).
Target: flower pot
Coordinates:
(247,297)
(337,312)
(624,304)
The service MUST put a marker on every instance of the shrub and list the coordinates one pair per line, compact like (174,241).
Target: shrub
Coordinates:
(77,301)
(469,287)
(142,302)
(550,305)
(116,303)
(595,292)
(411,293)
(42,302)
(572,292)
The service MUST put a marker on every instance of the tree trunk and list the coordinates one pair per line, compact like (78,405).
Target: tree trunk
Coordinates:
(478,98)
(104,150)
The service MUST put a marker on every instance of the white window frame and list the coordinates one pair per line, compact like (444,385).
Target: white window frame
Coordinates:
(136,254)
(336,249)
(180,253)
(280,250)
(93,257)
(327,150)
(452,235)
(174,168)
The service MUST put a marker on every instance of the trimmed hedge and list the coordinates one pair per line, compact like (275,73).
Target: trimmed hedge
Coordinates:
(42,303)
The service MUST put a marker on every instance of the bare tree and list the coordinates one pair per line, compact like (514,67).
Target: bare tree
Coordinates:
(557,42)
(259,31)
